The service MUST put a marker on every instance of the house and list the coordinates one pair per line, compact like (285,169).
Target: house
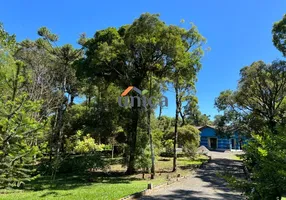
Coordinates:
(211,140)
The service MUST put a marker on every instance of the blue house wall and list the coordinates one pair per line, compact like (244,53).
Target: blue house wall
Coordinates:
(208,136)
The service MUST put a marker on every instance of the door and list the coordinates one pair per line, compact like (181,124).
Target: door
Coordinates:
(213,143)
(233,144)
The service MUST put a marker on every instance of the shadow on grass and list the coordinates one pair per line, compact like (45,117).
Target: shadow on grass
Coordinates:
(164,159)
(189,166)
(72,181)
(54,194)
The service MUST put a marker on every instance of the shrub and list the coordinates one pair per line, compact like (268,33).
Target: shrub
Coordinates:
(265,161)
(82,163)
(87,145)
(189,138)
(143,154)
(169,146)
(74,164)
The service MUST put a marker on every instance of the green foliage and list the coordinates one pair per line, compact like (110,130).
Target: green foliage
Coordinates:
(87,145)
(189,138)
(279,35)
(143,160)
(257,109)
(193,114)
(83,144)
(40,81)
(143,154)
(258,102)
(21,127)
(265,158)
(157,140)
(169,145)
(8,42)
(128,55)
(18,141)
(82,163)
(77,164)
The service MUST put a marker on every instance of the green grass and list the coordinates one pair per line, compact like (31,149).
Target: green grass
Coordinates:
(236,157)
(81,187)
(98,185)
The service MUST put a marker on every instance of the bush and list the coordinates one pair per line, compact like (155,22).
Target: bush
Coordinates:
(169,146)
(75,164)
(143,154)
(265,161)
(87,145)
(143,161)
(189,137)
(190,149)
(82,163)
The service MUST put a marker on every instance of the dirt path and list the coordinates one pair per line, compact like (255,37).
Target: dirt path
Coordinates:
(204,184)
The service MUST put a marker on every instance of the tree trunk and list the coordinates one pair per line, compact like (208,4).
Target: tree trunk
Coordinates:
(59,127)
(272,125)
(160,112)
(72,99)
(89,99)
(152,158)
(176,130)
(15,82)
(132,137)
(150,134)
(61,111)
(132,133)
(183,118)
(112,151)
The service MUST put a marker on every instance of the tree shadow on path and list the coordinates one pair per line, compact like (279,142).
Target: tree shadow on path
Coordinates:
(211,185)
(192,195)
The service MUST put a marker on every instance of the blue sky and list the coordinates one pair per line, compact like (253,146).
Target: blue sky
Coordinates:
(238,31)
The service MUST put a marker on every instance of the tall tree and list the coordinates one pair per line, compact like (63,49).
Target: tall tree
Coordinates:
(41,68)
(126,56)
(259,98)
(64,57)
(186,64)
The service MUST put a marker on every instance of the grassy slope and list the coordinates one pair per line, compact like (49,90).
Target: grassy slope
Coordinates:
(113,186)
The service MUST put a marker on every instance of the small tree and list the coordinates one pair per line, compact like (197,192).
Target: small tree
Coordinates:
(189,138)
(21,126)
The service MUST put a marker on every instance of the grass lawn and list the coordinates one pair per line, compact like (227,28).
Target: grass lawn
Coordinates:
(112,185)
(112,189)
(236,157)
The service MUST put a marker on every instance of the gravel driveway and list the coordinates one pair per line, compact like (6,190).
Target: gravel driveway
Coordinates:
(204,184)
